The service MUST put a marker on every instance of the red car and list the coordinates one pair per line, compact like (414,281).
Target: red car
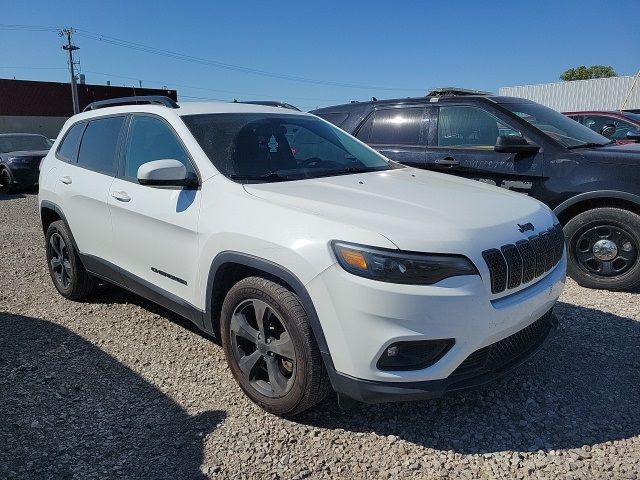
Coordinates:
(623,127)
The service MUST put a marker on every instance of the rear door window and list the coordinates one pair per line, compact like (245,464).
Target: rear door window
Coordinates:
(100,144)
(395,126)
(68,149)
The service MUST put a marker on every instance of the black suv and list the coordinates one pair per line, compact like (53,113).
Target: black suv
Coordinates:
(592,184)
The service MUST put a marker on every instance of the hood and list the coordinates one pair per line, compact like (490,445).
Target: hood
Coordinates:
(628,153)
(26,153)
(415,209)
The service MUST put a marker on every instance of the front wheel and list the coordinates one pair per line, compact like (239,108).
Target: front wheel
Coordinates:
(603,248)
(6,184)
(270,347)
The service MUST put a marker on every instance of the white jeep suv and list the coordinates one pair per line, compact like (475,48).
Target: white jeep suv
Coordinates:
(318,262)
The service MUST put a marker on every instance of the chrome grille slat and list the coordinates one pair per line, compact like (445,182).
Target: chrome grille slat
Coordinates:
(512,265)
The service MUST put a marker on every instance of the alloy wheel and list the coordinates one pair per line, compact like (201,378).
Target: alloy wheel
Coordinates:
(606,250)
(59,260)
(262,348)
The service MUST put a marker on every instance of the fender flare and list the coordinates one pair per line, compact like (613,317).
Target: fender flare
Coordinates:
(279,272)
(616,194)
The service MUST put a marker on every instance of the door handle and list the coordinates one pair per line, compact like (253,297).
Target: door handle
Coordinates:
(121,196)
(66,179)
(447,162)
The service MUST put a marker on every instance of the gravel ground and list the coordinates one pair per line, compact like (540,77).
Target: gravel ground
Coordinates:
(115,387)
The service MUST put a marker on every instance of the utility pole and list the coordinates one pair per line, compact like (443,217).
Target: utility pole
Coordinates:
(70,48)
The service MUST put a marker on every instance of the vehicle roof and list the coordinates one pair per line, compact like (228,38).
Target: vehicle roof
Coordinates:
(425,100)
(188,108)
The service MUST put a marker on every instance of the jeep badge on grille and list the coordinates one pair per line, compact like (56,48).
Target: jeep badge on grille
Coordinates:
(525,227)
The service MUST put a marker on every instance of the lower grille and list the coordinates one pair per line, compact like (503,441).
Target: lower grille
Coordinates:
(512,265)
(502,354)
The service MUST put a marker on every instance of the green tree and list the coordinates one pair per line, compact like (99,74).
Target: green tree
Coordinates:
(586,73)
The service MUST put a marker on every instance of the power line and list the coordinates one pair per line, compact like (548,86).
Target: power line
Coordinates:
(214,63)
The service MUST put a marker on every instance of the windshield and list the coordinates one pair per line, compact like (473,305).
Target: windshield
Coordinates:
(632,116)
(17,143)
(560,127)
(272,147)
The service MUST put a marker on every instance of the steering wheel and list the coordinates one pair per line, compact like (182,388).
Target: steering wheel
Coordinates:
(312,162)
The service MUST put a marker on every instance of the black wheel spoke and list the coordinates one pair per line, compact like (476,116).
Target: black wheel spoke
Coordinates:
(54,244)
(607,268)
(283,346)
(56,263)
(240,327)
(248,363)
(261,309)
(277,380)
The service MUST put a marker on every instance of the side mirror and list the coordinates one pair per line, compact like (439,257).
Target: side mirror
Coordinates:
(634,135)
(165,173)
(608,130)
(514,144)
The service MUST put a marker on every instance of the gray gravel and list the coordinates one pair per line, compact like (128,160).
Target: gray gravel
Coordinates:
(115,387)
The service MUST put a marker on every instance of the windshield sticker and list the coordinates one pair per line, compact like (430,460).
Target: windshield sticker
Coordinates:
(273,144)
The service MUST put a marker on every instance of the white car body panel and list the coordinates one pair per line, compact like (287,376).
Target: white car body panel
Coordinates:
(291,224)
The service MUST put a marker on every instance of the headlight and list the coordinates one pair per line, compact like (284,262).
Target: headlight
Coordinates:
(19,160)
(395,266)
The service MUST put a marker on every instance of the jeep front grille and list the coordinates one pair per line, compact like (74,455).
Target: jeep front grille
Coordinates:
(512,265)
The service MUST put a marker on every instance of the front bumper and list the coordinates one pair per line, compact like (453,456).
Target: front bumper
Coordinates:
(360,318)
(24,176)
(483,366)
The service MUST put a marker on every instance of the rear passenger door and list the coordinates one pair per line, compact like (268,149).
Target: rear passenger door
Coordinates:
(155,228)
(83,185)
(463,142)
(398,133)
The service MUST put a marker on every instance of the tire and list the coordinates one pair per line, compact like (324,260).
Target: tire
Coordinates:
(69,275)
(280,385)
(6,182)
(610,268)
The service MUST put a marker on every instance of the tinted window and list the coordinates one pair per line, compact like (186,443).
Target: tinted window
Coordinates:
(99,145)
(559,127)
(15,143)
(335,118)
(598,122)
(470,127)
(271,147)
(397,126)
(151,139)
(68,149)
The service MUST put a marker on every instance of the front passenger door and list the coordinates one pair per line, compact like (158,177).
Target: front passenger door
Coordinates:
(155,228)
(464,145)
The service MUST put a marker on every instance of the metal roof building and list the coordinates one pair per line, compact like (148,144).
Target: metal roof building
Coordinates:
(596,94)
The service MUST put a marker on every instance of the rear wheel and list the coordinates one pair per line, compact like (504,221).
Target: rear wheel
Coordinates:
(604,248)
(270,348)
(67,272)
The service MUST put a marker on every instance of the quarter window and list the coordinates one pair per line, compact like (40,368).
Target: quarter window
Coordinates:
(68,149)
(151,139)
(470,127)
(100,144)
(396,126)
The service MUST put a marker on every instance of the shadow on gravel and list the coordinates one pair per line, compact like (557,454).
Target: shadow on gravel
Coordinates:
(110,294)
(582,388)
(69,410)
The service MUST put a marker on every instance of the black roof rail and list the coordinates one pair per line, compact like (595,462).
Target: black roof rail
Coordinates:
(454,91)
(142,100)
(268,103)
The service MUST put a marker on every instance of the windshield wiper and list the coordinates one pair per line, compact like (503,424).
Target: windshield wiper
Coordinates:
(590,145)
(265,177)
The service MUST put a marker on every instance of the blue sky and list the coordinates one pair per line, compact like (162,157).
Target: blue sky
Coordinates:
(386,49)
